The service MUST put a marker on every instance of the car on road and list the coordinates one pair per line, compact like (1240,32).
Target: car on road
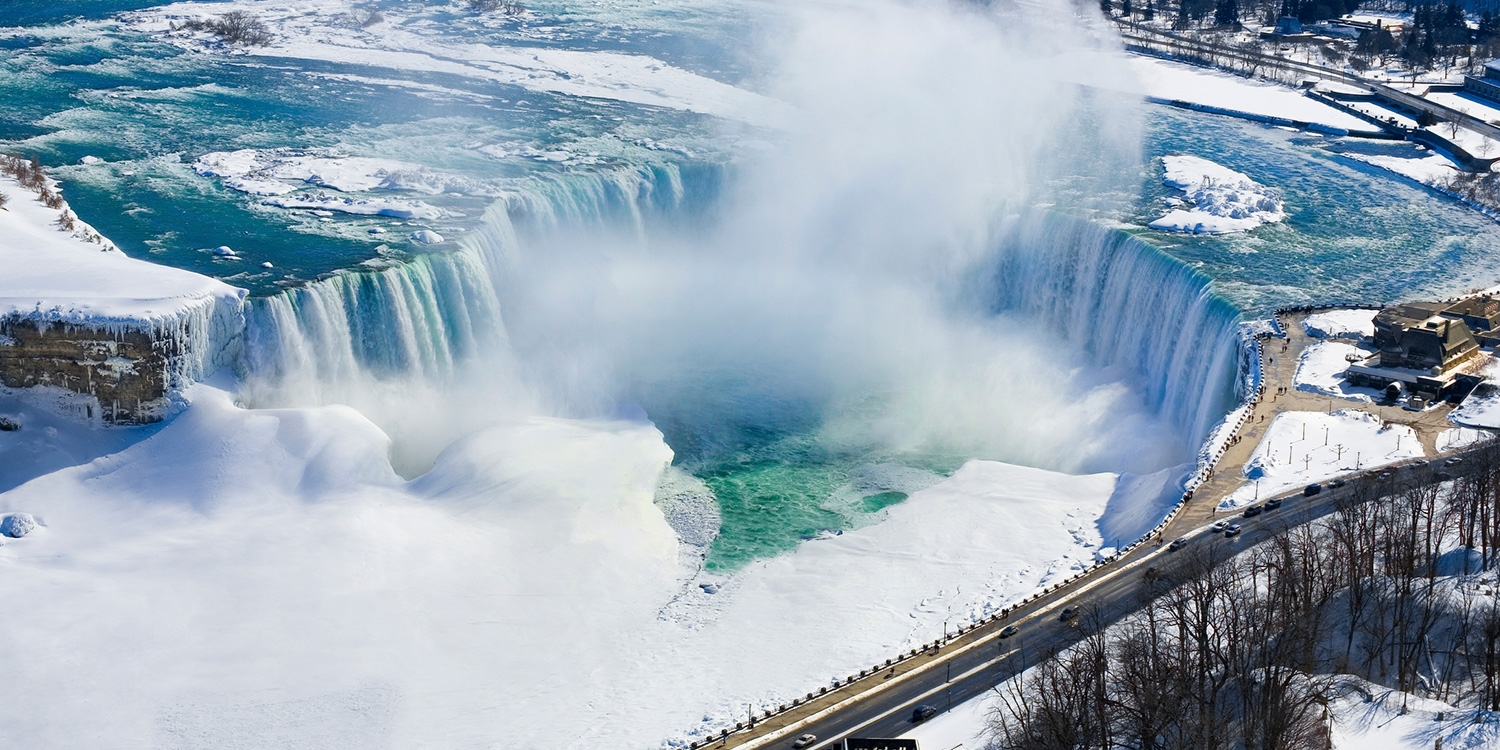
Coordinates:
(1417,464)
(1177,544)
(1008,631)
(1273,503)
(1232,530)
(1312,489)
(922,713)
(1151,574)
(805,740)
(1068,613)
(1337,483)
(1453,461)
(1252,511)
(1219,525)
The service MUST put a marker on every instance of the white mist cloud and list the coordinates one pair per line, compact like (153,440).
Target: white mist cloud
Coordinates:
(833,291)
(835,285)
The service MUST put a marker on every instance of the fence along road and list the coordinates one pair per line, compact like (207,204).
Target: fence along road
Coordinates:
(879,701)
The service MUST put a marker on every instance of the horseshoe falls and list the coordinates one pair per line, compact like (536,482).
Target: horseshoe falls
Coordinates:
(611,369)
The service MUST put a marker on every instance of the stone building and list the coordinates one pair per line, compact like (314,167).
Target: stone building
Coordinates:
(1424,348)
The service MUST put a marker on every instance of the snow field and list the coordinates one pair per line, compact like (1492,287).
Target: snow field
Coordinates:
(1341,324)
(1374,717)
(1321,368)
(280,582)
(1191,83)
(1223,200)
(1458,438)
(1305,447)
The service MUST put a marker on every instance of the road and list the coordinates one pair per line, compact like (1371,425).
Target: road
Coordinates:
(973,665)
(1181,46)
(880,702)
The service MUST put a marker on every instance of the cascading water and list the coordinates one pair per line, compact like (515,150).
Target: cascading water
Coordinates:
(798,332)
(1129,305)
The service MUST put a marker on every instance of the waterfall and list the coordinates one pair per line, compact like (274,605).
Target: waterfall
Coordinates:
(1129,305)
(418,319)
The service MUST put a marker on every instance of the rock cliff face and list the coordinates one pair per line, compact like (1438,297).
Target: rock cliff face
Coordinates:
(126,371)
(88,331)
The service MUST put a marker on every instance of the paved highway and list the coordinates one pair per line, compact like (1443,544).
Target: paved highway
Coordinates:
(970,666)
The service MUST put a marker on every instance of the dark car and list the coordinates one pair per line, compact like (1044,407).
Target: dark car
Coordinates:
(1312,489)
(1008,631)
(1335,484)
(922,713)
(1177,543)
(1455,461)
(1252,511)
(1273,503)
(1069,613)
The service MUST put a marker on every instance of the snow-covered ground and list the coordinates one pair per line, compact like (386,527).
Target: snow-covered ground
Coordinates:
(1365,716)
(278,581)
(1384,114)
(1341,324)
(1373,717)
(1480,409)
(56,275)
(1457,438)
(1476,144)
(1321,370)
(1305,447)
(1466,103)
(1223,200)
(1191,83)
(959,728)
(1433,170)
(409,38)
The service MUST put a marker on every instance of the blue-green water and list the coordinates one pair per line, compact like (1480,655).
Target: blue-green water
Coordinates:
(76,82)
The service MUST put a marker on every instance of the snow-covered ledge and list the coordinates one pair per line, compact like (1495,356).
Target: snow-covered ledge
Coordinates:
(90,331)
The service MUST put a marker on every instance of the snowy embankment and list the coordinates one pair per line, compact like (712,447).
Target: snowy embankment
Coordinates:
(1223,200)
(1482,407)
(409,38)
(1322,370)
(1169,80)
(1363,716)
(1305,447)
(277,579)
(1367,716)
(1341,324)
(56,275)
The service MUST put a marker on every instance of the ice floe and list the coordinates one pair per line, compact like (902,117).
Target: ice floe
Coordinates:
(1223,200)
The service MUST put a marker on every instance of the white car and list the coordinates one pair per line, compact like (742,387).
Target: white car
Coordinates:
(805,740)
(1219,525)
